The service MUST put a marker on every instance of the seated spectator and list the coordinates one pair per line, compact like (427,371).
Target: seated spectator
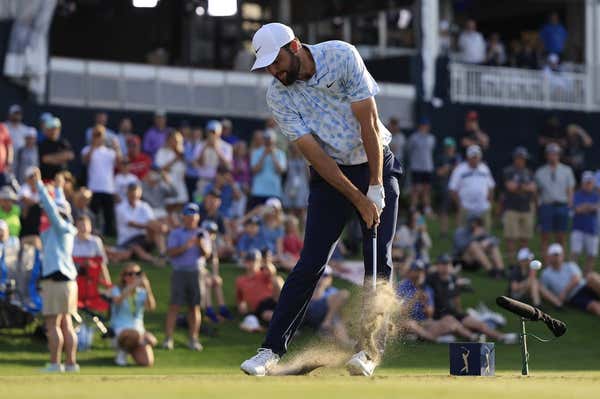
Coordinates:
(553,35)
(257,291)
(130,298)
(54,151)
(169,159)
(420,149)
(577,142)
(31,212)
(155,137)
(447,301)
(272,227)
(87,245)
(495,54)
(471,44)
(566,285)
(157,188)
(473,135)
(251,239)
(211,154)
(229,189)
(191,172)
(295,188)
(10,211)
(139,163)
(472,186)
(476,248)
(212,283)
(187,248)
(584,236)
(292,243)
(27,156)
(413,239)
(241,168)
(81,205)
(523,283)
(450,159)
(123,178)
(209,212)
(268,165)
(324,311)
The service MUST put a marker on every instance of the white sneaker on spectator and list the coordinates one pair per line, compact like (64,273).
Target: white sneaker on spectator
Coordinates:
(53,368)
(195,345)
(445,339)
(121,358)
(168,344)
(72,368)
(361,364)
(510,338)
(260,364)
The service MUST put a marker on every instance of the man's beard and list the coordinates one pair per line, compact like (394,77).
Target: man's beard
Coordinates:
(292,74)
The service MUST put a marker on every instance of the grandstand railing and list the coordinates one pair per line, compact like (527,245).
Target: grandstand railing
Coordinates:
(514,87)
(142,87)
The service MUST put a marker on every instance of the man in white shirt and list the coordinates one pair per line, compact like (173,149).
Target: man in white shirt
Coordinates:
(101,161)
(471,44)
(472,186)
(17,129)
(212,153)
(101,118)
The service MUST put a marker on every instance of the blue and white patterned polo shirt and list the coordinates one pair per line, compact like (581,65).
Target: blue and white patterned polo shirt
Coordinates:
(321,105)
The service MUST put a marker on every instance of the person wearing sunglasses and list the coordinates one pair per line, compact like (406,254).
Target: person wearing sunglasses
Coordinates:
(130,298)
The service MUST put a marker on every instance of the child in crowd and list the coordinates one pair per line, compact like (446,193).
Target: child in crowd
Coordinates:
(212,281)
(292,243)
(584,237)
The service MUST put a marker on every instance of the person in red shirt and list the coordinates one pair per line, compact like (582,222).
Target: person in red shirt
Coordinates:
(139,163)
(257,291)
(6,149)
(292,243)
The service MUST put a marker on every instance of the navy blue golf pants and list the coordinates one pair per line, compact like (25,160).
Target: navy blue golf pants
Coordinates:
(328,212)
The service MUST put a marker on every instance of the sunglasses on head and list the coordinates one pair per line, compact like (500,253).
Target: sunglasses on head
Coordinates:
(130,274)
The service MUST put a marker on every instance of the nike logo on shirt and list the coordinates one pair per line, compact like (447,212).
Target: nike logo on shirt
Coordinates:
(330,84)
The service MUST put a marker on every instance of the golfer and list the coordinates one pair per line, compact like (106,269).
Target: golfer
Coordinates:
(323,100)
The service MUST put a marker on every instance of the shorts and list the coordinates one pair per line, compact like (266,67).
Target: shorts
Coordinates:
(140,240)
(553,218)
(421,177)
(583,298)
(584,242)
(265,305)
(185,288)
(316,312)
(58,297)
(518,224)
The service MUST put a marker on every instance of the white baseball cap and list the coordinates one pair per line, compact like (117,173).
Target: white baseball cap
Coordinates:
(473,151)
(524,254)
(267,42)
(555,249)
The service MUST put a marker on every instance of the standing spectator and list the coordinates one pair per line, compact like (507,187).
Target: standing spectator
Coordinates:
(31,211)
(187,248)
(449,160)
(268,165)
(170,159)
(101,162)
(101,118)
(59,289)
(495,54)
(398,143)
(251,239)
(472,187)
(189,151)
(584,237)
(241,175)
(578,140)
(211,280)
(420,147)
(228,135)
(125,130)
(87,245)
(257,140)
(553,35)
(123,178)
(520,189)
(526,56)
(139,163)
(473,135)
(471,44)
(55,152)
(10,211)
(27,156)
(6,153)
(17,129)
(155,137)
(211,154)
(555,183)
(295,188)
(523,283)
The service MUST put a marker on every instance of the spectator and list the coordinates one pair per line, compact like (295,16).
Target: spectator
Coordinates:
(10,211)
(130,298)
(81,206)
(566,284)
(324,311)
(272,227)
(191,172)
(55,152)
(523,283)
(241,175)
(295,188)
(292,243)
(471,44)
(446,293)
(476,248)
(472,187)
(125,130)
(553,35)
(526,56)
(212,281)
(157,189)
(87,245)
(555,183)
(420,147)
(139,163)
(155,137)
(45,117)
(229,190)
(170,160)
(27,156)
(257,291)
(227,134)
(473,135)
(272,128)
(209,212)
(123,178)
(8,243)
(187,248)
(268,165)
(211,154)
(414,239)
(257,140)
(584,237)
(578,140)
(31,212)
(251,239)
(59,289)
(6,153)
(495,54)
(16,128)
(450,159)
(517,204)
(101,118)
(101,161)
(553,132)
(398,143)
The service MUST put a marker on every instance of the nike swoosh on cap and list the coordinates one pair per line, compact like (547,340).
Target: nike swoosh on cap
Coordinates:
(258,49)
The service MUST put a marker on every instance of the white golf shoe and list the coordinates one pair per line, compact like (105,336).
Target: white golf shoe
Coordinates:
(121,358)
(361,364)
(260,364)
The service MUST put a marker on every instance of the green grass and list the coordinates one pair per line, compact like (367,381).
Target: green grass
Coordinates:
(568,367)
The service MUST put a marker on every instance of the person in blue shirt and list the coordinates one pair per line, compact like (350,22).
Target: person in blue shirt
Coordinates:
(584,236)
(268,165)
(229,190)
(251,238)
(129,299)
(554,35)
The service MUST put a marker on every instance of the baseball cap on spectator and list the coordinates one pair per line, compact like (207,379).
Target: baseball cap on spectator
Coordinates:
(269,134)
(524,254)
(521,151)
(214,126)
(191,209)
(252,255)
(449,142)
(3,224)
(52,123)
(45,116)
(588,176)
(472,116)
(160,113)
(7,193)
(473,151)
(31,132)
(417,265)
(15,109)
(274,203)
(424,120)
(226,123)
(555,249)
(267,41)
(443,259)
(552,148)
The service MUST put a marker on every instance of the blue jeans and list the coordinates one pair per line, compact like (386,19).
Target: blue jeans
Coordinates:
(327,214)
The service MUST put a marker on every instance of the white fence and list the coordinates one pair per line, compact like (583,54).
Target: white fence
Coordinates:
(514,87)
(113,85)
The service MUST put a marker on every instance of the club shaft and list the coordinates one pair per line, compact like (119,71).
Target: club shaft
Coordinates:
(374,282)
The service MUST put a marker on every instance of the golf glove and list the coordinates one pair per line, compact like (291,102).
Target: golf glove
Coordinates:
(377,195)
